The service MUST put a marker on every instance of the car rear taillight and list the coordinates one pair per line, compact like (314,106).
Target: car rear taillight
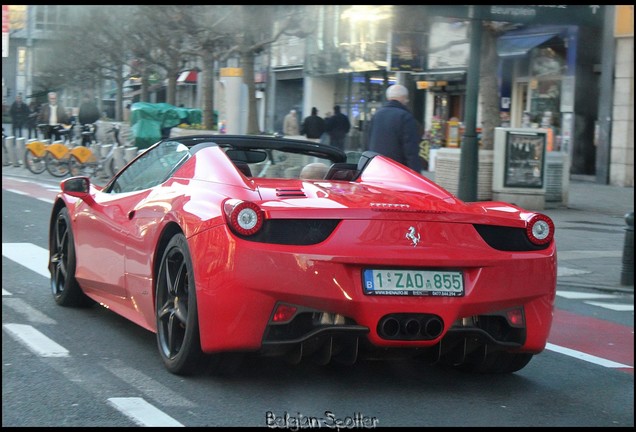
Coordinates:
(540,229)
(245,218)
(284,313)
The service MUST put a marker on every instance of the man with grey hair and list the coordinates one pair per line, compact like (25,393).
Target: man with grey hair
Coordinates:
(53,114)
(393,130)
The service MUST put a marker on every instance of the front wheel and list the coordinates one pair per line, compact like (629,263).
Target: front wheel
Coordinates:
(176,310)
(56,167)
(36,165)
(66,290)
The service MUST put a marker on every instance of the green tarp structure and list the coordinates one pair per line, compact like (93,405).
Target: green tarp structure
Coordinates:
(151,122)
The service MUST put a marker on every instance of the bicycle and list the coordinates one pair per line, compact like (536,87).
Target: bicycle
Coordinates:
(34,154)
(84,161)
(55,155)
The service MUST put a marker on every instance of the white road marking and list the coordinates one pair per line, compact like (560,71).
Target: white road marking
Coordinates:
(577,295)
(35,341)
(141,412)
(582,254)
(5,292)
(586,357)
(31,314)
(613,306)
(566,271)
(28,255)
(148,386)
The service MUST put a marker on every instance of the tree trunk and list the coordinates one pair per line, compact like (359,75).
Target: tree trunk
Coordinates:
(207,78)
(247,61)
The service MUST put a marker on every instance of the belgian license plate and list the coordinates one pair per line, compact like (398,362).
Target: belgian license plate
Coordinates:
(441,283)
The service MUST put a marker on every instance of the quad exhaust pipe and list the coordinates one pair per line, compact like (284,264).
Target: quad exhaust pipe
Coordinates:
(410,327)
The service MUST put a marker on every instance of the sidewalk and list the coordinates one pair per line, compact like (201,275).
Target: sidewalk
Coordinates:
(590,230)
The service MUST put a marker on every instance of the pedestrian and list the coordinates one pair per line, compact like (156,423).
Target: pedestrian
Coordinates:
(32,122)
(290,123)
(313,126)
(87,116)
(337,127)
(324,139)
(19,115)
(53,114)
(393,131)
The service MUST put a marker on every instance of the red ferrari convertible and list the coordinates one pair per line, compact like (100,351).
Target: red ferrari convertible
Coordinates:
(232,245)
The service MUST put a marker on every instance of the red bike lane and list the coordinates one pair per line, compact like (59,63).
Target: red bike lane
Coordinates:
(594,337)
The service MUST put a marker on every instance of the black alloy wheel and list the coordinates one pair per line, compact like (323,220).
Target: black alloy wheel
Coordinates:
(66,291)
(176,310)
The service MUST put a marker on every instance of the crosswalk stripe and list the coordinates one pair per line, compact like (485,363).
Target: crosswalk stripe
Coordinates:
(28,255)
(141,412)
(35,341)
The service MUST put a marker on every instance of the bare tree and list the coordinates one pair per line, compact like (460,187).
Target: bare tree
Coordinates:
(258,34)
(210,33)
(157,40)
(99,39)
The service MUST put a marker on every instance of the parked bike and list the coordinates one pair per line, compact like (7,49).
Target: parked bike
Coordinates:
(87,161)
(34,155)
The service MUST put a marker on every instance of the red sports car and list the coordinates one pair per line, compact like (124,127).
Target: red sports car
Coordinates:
(227,245)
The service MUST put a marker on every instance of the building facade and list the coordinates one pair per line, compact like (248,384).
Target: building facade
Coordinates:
(550,75)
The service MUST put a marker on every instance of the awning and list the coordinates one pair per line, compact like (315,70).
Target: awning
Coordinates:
(188,77)
(519,45)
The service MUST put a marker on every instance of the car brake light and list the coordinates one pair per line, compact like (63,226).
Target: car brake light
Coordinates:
(245,218)
(540,229)
(284,313)
(515,317)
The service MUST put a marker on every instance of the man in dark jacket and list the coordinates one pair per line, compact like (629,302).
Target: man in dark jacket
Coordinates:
(393,131)
(313,126)
(338,126)
(19,115)
(87,116)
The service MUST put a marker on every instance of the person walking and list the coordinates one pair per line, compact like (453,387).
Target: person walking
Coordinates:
(313,126)
(32,121)
(393,131)
(338,127)
(19,115)
(87,116)
(53,114)
(290,123)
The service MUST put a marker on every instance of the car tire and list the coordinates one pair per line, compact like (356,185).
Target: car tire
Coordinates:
(176,310)
(497,362)
(65,288)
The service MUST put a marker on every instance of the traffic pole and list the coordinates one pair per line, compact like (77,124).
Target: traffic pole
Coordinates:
(627,271)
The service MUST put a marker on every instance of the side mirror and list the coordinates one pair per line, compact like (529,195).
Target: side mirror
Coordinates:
(77,187)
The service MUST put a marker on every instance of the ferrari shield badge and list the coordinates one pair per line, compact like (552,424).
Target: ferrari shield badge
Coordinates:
(413,235)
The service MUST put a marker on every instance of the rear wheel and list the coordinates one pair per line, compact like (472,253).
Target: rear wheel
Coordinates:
(77,168)
(56,167)
(35,164)
(176,310)
(66,290)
